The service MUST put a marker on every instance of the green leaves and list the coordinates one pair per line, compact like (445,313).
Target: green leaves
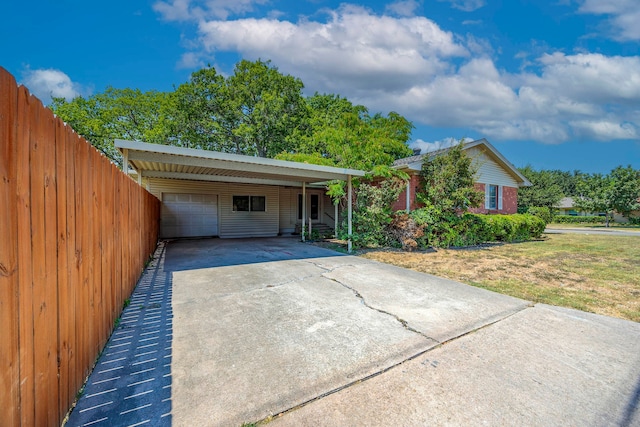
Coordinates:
(119,113)
(448,182)
(546,190)
(256,111)
(619,191)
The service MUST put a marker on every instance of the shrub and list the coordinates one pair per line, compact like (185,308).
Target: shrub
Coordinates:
(426,227)
(540,211)
(372,213)
(405,230)
(570,219)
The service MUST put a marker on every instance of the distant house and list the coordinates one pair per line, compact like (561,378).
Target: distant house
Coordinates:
(566,207)
(497,178)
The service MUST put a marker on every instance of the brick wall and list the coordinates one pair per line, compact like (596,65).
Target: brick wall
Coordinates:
(509,201)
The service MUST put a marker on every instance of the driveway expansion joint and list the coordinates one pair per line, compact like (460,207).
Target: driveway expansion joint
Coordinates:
(395,365)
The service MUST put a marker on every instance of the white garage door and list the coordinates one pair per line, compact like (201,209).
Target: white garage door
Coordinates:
(189,215)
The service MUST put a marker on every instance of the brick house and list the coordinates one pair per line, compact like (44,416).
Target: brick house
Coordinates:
(496,177)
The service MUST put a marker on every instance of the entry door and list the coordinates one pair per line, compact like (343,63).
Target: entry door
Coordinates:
(313,207)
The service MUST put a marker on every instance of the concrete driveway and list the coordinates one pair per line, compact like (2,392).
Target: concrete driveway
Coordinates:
(274,327)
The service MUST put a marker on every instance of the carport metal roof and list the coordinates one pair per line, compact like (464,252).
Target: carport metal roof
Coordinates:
(163,161)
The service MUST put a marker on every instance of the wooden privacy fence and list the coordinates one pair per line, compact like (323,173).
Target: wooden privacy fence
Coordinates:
(75,234)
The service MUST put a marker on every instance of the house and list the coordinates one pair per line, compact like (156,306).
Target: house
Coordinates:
(207,193)
(496,177)
(566,206)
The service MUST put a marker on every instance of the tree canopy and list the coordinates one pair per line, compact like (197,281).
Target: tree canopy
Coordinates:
(618,191)
(545,190)
(256,111)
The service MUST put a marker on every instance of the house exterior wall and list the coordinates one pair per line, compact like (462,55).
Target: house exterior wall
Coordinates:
(490,172)
(509,201)
(230,224)
(288,218)
(401,203)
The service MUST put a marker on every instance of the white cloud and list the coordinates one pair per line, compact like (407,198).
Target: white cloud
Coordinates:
(624,16)
(48,83)
(190,60)
(426,147)
(403,7)
(353,51)
(604,130)
(197,10)
(466,5)
(437,78)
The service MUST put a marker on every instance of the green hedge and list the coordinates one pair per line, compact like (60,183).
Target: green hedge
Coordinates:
(472,229)
(570,219)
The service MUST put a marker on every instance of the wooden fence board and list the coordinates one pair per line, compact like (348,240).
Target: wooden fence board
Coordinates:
(38,264)
(64,313)
(82,243)
(9,338)
(47,133)
(25,292)
(75,377)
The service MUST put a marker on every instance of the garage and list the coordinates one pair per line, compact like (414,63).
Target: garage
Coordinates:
(189,215)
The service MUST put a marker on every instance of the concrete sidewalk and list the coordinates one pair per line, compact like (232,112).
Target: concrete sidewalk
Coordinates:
(268,328)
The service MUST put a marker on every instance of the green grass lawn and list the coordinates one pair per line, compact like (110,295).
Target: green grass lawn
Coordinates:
(595,273)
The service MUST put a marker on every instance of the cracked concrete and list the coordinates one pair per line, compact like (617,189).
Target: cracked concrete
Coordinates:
(273,327)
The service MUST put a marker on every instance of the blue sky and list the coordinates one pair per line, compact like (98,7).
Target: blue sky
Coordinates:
(554,84)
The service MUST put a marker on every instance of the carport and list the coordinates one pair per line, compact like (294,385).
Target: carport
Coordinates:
(155,161)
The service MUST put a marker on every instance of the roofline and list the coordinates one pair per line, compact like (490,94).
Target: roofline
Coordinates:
(502,159)
(524,182)
(122,144)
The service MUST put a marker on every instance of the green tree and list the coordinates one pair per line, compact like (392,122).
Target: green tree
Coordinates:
(349,136)
(566,180)
(447,183)
(545,191)
(594,194)
(119,113)
(201,120)
(625,190)
(268,106)
(254,111)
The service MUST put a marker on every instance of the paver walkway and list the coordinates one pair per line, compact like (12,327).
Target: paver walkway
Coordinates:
(131,383)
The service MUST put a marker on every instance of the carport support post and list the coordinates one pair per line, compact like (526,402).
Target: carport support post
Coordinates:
(335,213)
(349,211)
(304,206)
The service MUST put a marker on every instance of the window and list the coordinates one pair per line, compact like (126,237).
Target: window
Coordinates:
(493,197)
(258,203)
(249,203)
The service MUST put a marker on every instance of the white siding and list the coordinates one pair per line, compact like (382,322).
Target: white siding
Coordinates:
(328,211)
(289,208)
(230,224)
(490,172)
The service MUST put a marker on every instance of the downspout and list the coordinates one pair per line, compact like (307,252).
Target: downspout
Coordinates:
(409,195)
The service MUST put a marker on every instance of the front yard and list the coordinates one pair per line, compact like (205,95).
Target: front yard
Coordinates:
(599,274)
